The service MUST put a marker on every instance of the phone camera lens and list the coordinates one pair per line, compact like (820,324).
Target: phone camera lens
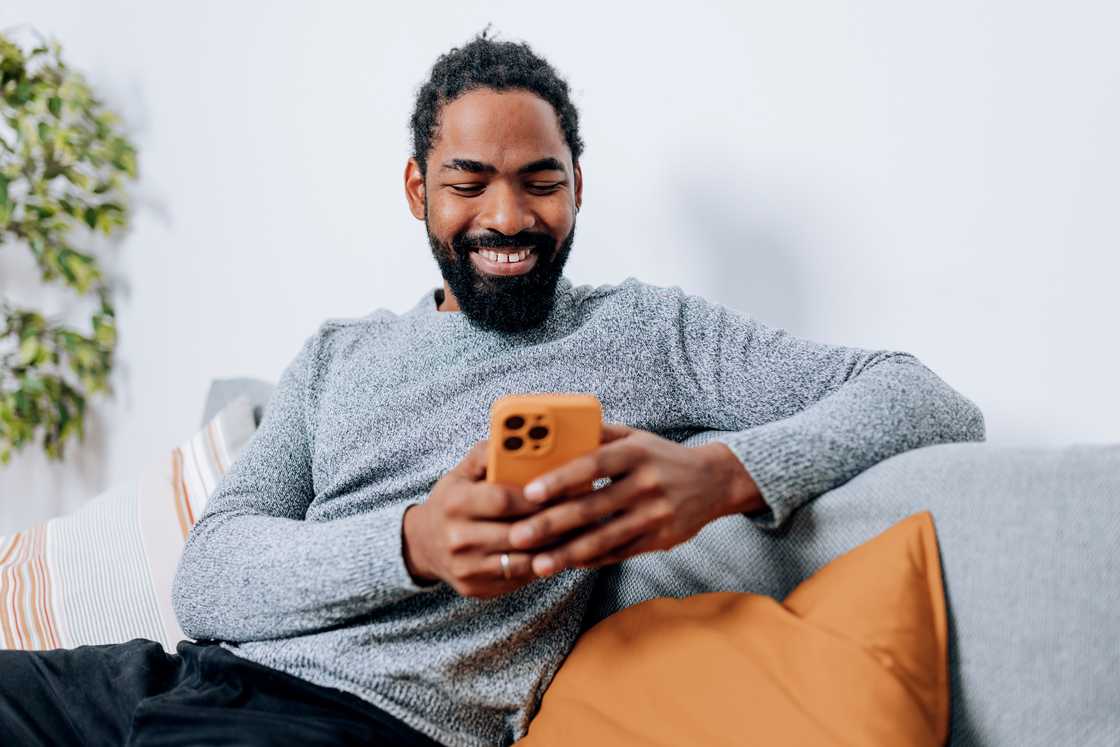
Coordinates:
(513,443)
(538,431)
(513,422)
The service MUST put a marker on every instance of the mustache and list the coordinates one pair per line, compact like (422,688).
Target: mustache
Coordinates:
(539,241)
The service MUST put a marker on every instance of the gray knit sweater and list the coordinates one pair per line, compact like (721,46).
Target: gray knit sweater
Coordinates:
(296,562)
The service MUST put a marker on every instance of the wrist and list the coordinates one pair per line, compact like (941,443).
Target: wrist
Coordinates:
(741,493)
(411,547)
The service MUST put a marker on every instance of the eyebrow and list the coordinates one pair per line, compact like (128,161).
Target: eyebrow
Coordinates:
(478,167)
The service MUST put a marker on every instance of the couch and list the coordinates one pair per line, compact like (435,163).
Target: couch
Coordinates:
(1029,548)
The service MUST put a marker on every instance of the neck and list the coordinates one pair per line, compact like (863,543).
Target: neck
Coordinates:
(450,303)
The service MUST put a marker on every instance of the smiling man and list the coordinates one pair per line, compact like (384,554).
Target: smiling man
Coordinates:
(498,192)
(354,578)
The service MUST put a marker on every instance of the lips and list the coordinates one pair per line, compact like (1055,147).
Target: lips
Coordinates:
(504,268)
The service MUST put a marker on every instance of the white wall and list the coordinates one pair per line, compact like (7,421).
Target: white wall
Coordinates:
(935,178)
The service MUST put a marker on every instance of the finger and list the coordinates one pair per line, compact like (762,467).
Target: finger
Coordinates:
(593,543)
(484,500)
(520,566)
(487,578)
(574,513)
(490,588)
(609,432)
(487,568)
(640,544)
(473,465)
(483,536)
(608,459)
(614,431)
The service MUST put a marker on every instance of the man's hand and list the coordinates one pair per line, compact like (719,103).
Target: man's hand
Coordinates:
(661,494)
(459,533)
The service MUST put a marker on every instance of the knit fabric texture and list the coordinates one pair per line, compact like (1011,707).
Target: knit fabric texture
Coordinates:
(296,562)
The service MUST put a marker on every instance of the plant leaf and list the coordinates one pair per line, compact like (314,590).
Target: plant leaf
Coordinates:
(29,351)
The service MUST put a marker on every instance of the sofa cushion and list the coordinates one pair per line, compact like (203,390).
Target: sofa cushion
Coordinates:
(103,573)
(854,656)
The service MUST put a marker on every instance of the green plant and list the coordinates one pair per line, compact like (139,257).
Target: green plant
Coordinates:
(63,163)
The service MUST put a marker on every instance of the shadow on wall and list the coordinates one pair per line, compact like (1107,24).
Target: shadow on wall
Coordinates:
(34,489)
(751,263)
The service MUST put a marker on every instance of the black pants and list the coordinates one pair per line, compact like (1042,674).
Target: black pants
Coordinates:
(135,693)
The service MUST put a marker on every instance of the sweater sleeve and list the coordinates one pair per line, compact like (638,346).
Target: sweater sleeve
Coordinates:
(254,568)
(804,417)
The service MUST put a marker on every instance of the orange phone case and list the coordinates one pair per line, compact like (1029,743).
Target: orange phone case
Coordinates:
(531,434)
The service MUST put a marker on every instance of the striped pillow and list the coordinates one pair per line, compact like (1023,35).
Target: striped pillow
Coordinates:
(102,573)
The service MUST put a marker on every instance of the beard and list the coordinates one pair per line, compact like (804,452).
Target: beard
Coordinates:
(502,303)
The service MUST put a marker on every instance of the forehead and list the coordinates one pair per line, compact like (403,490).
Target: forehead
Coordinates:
(505,128)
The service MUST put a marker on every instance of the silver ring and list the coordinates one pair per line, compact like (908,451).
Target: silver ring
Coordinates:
(505,565)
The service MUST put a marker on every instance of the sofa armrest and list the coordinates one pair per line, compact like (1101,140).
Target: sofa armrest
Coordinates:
(224,391)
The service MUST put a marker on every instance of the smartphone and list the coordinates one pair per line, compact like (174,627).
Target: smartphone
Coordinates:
(531,434)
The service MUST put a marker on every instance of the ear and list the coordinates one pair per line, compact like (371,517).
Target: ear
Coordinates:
(579,186)
(415,191)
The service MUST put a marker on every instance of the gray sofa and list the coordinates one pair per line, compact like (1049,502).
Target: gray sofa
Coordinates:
(1029,548)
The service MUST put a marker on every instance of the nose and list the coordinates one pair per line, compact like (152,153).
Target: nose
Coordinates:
(505,210)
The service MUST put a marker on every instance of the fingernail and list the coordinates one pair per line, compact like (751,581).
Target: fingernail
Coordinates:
(543,565)
(534,491)
(521,535)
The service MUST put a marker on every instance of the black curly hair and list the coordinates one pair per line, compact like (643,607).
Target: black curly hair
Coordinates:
(486,63)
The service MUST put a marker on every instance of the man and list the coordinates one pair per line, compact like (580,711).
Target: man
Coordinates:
(355,578)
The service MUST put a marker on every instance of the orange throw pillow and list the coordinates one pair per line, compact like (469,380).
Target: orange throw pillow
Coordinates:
(855,655)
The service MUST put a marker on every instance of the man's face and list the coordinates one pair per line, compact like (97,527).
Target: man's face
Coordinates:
(500,179)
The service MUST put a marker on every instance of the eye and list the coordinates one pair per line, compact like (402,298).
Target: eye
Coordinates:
(549,187)
(467,189)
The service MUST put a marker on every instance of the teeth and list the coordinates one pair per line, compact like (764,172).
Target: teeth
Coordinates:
(505,257)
